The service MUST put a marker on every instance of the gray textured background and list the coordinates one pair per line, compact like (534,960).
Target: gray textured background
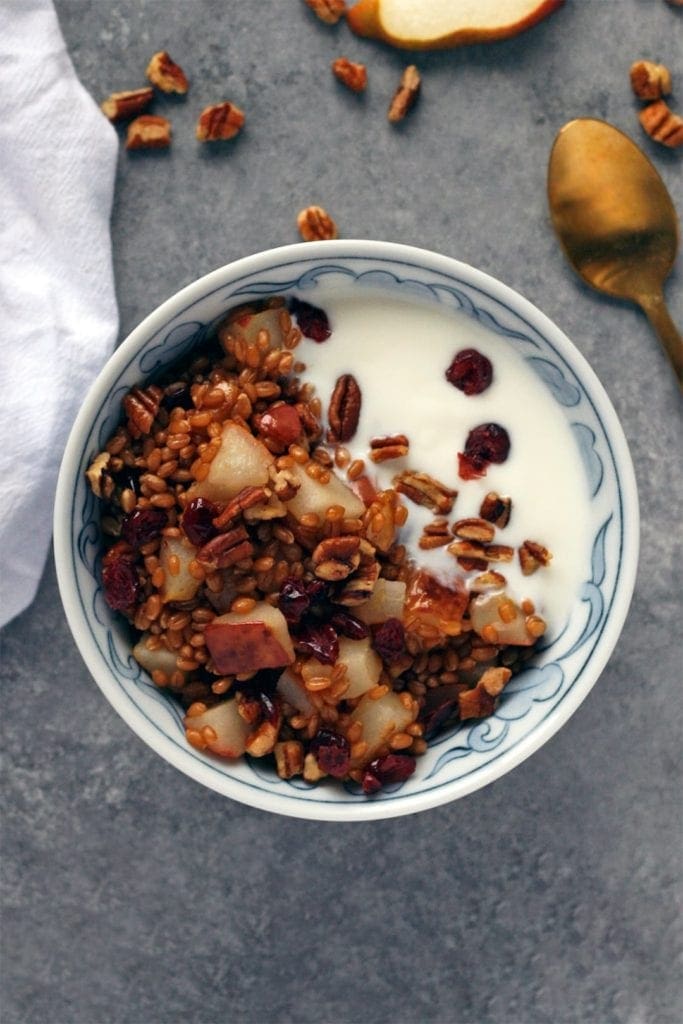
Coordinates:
(133,895)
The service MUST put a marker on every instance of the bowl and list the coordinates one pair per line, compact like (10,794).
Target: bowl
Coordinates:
(536,702)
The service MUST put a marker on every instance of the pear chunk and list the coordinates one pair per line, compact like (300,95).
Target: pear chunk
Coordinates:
(241,642)
(229,730)
(313,496)
(241,461)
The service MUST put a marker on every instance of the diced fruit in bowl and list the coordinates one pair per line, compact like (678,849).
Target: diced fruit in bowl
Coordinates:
(247,327)
(363,667)
(243,642)
(380,720)
(220,729)
(497,619)
(154,659)
(291,689)
(414,24)
(386,602)
(175,556)
(316,497)
(241,461)
(432,610)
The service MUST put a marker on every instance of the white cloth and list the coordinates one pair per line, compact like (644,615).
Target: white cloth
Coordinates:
(58,315)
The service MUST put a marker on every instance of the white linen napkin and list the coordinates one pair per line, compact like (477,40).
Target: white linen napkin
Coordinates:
(58,314)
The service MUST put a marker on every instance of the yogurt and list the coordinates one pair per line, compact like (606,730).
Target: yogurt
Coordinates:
(398,352)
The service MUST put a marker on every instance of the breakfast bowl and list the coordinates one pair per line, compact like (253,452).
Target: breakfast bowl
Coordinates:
(403,322)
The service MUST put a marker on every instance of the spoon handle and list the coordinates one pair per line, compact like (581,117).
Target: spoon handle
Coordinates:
(654,307)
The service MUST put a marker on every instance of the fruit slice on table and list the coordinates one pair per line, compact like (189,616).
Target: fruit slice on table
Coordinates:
(414,24)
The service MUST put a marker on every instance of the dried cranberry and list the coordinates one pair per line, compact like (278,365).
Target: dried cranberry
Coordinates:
(270,707)
(332,752)
(143,525)
(470,372)
(320,640)
(436,718)
(385,770)
(298,596)
(489,442)
(197,521)
(312,321)
(349,626)
(388,639)
(281,425)
(177,395)
(119,578)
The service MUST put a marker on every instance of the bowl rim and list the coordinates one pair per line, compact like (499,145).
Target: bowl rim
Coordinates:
(281,803)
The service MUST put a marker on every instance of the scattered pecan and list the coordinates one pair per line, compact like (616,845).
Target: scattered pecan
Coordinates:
(385,448)
(353,76)
(285,484)
(219,121)
(425,490)
(271,509)
(289,758)
(532,556)
(661,124)
(329,11)
(122,105)
(141,408)
(650,81)
(262,741)
(474,529)
(496,510)
(246,498)
(336,558)
(489,580)
(360,586)
(406,94)
(499,553)
(149,132)
(344,410)
(248,708)
(472,564)
(482,700)
(100,482)
(315,224)
(468,549)
(166,74)
(434,535)
(226,549)
(380,519)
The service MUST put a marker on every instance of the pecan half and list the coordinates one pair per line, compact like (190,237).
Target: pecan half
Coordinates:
(405,96)
(474,529)
(329,11)
(100,482)
(246,498)
(166,74)
(336,557)
(263,740)
(141,408)
(435,535)
(532,556)
(226,549)
(661,124)
(489,580)
(425,490)
(650,81)
(496,510)
(122,105)
(149,132)
(219,122)
(481,701)
(344,410)
(499,553)
(385,448)
(353,76)
(315,224)
(289,758)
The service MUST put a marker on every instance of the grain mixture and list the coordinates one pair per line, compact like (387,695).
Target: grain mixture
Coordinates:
(265,578)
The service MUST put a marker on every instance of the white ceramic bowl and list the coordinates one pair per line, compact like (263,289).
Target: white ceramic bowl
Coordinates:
(537,701)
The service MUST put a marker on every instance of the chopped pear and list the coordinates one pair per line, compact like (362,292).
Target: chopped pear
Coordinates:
(414,24)
(229,728)
(291,688)
(386,602)
(313,496)
(380,719)
(363,666)
(179,585)
(506,617)
(158,659)
(248,326)
(241,642)
(241,461)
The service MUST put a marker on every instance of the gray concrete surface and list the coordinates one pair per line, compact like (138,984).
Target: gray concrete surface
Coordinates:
(133,895)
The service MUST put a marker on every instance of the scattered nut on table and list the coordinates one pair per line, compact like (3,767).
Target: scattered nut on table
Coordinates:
(219,122)
(353,76)
(329,11)
(119,106)
(650,81)
(315,224)
(149,132)
(166,74)
(661,124)
(405,96)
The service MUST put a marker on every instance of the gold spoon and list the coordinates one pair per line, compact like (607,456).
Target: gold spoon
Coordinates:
(615,220)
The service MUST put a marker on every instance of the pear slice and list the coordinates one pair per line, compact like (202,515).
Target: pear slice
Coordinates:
(416,25)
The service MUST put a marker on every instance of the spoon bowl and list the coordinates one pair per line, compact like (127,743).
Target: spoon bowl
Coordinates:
(615,220)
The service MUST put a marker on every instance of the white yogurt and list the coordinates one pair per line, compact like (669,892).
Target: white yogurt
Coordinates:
(398,351)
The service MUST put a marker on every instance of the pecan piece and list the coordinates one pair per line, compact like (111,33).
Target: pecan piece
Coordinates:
(532,556)
(474,529)
(336,558)
(661,124)
(496,510)
(262,741)
(344,410)
(100,482)
(468,549)
(425,490)
(148,132)
(650,81)
(360,586)
(122,105)
(489,580)
(246,498)
(329,11)
(226,549)
(380,520)
(141,408)
(219,121)
(406,94)
(289,758)
(482,700)
(166,74)
(353,76)
(385,448)
(434,535)
(315,224)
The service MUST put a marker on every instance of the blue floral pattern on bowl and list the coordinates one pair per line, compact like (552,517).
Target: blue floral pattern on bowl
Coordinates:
(469,755)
